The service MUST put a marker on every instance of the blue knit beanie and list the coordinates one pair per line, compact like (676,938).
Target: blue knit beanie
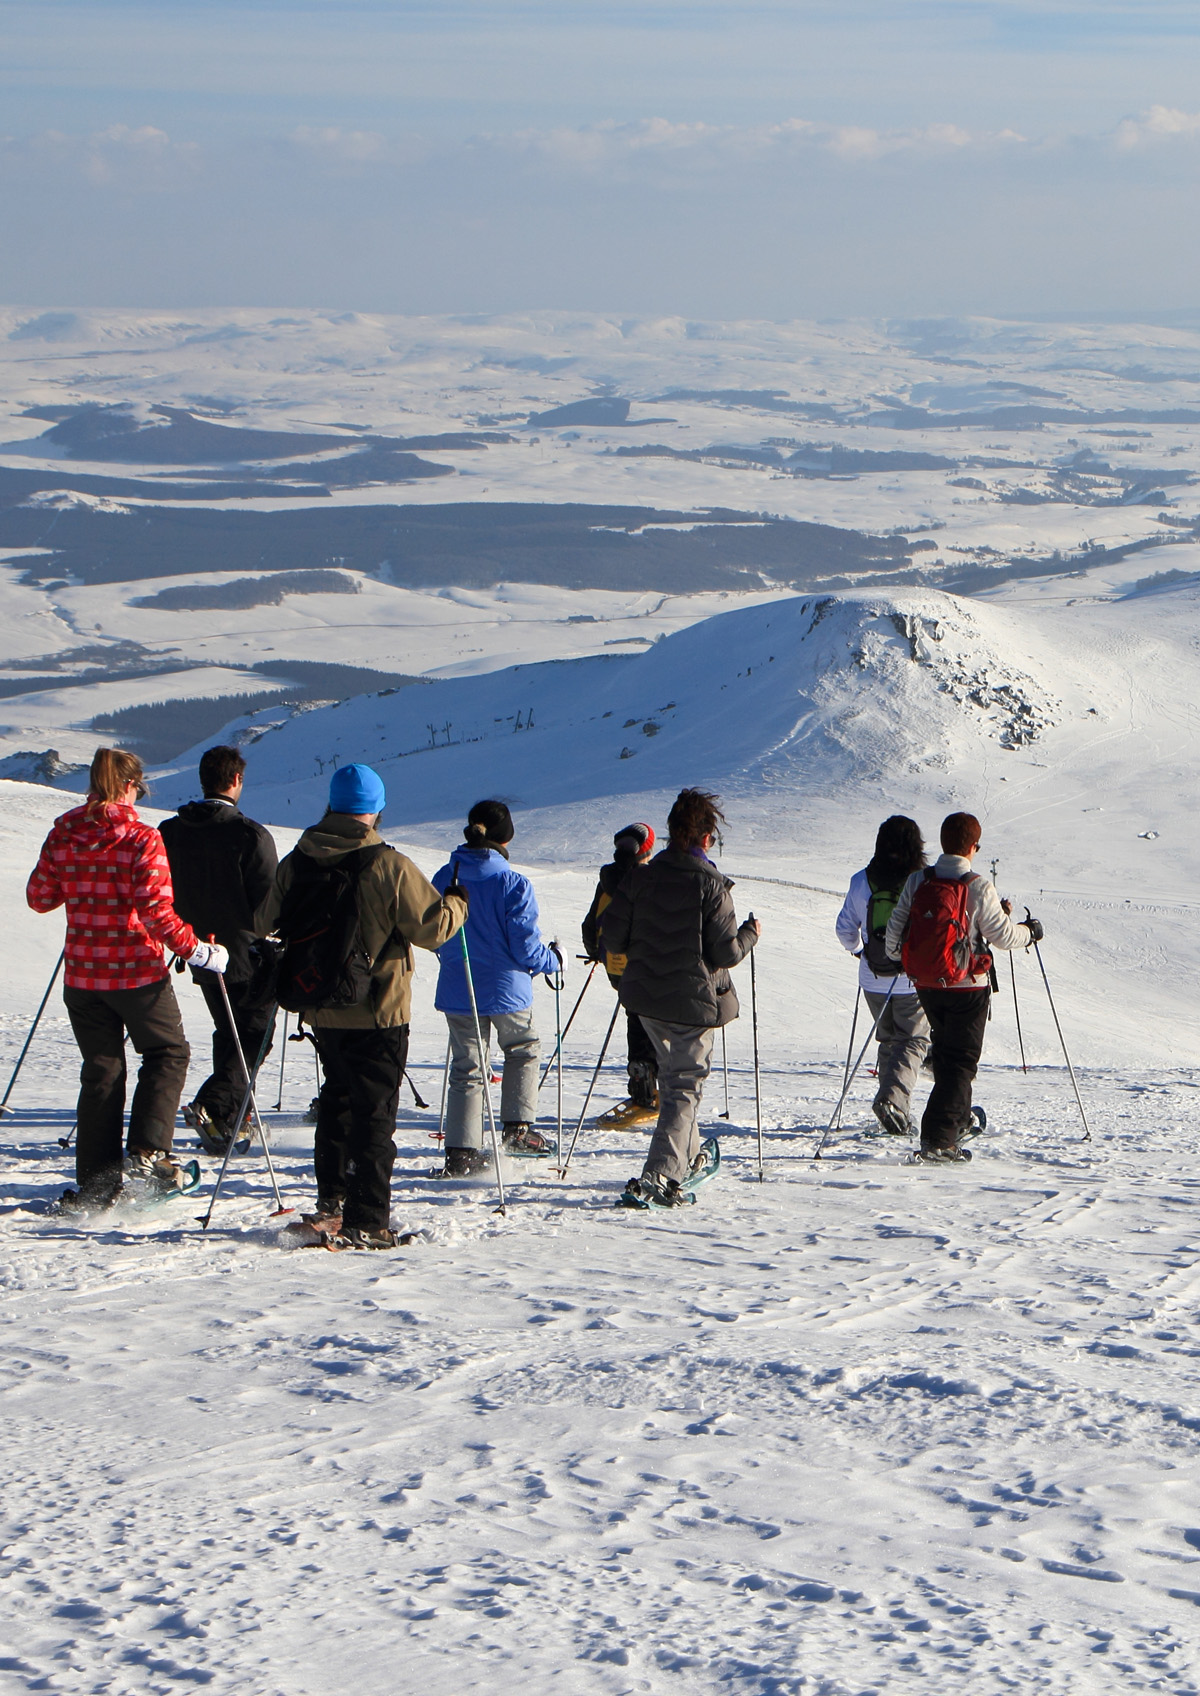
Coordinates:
(356,789)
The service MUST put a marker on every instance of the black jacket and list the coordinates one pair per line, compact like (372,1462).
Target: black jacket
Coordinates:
(222,868)
(675,923)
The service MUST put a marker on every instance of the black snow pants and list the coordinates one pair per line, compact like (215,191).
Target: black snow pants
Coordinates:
(99,1019)
(222,1091)
(957,1022)
(356,1118)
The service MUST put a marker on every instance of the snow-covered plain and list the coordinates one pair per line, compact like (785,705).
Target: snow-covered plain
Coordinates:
(861,1428)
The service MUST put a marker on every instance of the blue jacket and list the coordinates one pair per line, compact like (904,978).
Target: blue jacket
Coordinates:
(506,947)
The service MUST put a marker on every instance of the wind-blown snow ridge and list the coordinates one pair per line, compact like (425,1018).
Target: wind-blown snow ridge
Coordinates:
(801,692)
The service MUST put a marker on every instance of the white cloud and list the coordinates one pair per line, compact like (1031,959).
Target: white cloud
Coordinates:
(1160,123)
(346,147)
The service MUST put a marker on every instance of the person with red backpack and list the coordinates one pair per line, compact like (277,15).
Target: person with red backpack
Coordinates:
(942,929)
(901,1027)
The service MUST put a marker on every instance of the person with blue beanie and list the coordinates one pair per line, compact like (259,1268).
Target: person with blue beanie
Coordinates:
(507,953)
(363,1043)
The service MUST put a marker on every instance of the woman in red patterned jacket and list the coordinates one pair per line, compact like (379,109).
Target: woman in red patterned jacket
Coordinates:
(110,871)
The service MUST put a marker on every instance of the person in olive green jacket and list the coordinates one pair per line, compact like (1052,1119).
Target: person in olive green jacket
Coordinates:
(364,1048)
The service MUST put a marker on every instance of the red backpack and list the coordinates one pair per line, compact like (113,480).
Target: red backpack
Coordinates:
(937,944)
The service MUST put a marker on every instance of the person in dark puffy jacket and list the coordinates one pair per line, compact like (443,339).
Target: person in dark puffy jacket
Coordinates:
(507,953)
(632,848)
(676,925)
(223,867)
(110,871)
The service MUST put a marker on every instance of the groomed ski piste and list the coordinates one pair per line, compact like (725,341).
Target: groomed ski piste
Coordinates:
(861,1427)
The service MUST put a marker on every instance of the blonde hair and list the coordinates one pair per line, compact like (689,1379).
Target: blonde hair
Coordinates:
(112,771)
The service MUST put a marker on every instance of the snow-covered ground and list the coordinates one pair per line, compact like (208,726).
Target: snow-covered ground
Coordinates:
(861,1428)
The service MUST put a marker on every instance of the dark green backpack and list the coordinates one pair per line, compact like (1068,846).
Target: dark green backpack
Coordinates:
(879,910)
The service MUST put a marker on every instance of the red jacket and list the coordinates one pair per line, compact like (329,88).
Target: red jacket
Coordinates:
(111,870)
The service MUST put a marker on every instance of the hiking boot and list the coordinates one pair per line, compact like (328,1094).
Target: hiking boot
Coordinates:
(91,1199)
(521,1138)
(365,1236)
(160,1171)
(464,1163)
(662,1191)
(942,1156)
(893,1118)
(215,1135)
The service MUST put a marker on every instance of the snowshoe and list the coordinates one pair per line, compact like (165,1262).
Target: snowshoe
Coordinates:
(977,1126)
(312,1230)
(359,1237)
(464,1163)
(653,1191)
(165,1181)
(628,1115)
(941,1156)
(314,1108)
(523,1142)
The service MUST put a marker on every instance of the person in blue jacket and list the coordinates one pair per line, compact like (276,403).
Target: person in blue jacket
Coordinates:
(507,953)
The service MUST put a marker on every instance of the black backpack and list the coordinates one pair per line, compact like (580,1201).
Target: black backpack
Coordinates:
(323,963)
(879,911)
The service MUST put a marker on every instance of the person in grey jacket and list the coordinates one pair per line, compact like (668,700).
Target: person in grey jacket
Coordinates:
(957,1011)
(675,923)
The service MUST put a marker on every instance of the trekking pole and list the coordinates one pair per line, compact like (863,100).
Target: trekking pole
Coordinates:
(849,1052)
(247,1101)
(1012,966)
(282,1062)
(565,1167)
(725,1064)
(757,1081)
(37,1019)
(439,1135)
(558,989)
(567,1026)
(483,1059)
(417,1096)
(854,1073)
(1087,1132)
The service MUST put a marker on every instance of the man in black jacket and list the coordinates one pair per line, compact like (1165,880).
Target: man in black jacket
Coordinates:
(222,868)
(676,925)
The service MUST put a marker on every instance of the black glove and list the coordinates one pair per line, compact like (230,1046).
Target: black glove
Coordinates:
(1034,927)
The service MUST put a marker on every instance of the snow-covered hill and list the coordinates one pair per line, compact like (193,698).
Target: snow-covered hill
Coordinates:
(803,693)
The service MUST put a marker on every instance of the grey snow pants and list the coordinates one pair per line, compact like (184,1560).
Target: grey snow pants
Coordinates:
(903,1043)
(684,1058)
(517,1040)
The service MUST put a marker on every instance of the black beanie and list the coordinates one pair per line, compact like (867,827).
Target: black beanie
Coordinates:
(496,822)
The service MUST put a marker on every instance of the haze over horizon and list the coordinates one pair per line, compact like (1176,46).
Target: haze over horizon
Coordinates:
(774,160)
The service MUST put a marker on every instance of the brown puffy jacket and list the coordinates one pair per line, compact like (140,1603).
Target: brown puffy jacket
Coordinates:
(398,907)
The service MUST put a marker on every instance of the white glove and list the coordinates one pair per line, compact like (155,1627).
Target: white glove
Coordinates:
(209,957)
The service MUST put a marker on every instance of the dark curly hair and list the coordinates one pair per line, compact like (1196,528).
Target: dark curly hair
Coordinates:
(695,815)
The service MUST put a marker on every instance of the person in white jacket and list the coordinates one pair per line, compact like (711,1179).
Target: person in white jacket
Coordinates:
(901,1026)
(956,1001)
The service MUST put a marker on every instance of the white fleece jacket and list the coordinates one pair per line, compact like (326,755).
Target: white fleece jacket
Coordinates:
(990,925)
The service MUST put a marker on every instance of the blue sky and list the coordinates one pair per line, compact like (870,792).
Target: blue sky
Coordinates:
(777,158)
